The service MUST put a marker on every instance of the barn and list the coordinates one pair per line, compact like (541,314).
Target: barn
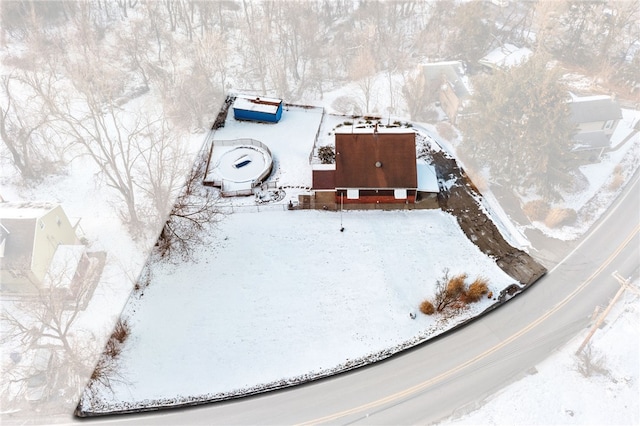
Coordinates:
(259,109)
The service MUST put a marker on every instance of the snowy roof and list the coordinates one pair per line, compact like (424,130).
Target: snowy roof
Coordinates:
(427,179)
(370,130)
(25,210)
(323,166)
(589,109)
(258,104)
(506,56)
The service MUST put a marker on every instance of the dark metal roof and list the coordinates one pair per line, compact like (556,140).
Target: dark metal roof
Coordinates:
(376,160)
(591,140)
(589,111)
(324,179)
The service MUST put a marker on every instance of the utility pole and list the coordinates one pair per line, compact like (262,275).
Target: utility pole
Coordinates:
(624,285)
(341,227)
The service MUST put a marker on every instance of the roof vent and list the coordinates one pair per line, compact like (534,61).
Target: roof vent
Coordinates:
(378,164)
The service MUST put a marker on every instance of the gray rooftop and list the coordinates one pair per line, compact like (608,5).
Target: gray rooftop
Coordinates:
(594,109)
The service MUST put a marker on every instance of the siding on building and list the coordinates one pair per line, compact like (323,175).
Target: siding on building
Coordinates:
(257,109)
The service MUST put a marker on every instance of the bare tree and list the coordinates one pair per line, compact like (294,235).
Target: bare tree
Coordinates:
(109,141)
(196,211)
(362,70)
(162,167)
(51,354)
(24,123)
(448,290)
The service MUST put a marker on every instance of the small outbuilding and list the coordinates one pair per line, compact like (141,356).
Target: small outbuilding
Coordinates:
(262,109)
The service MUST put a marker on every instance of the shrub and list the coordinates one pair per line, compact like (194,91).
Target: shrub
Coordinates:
(327,154)
(477,289)
(617,179)
(118,336)
(559,217)
(453,294)
(113,348)
(590,362)
(536,210)
(426,307)
(120,331)
(448,290)
(455,286)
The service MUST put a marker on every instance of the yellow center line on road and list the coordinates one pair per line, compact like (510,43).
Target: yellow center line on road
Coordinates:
(421,386)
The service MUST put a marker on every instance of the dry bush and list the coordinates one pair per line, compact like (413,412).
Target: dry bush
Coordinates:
(477,289)
(590,362)
(559,217)
(453,294)
(617,179)
(449,290)
(426,307)
(455,286)
(536,210)
(113,348)
(446,130)
(121,331)
(118,336)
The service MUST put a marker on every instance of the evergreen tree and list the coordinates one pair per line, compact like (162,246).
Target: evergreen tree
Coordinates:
(519,127)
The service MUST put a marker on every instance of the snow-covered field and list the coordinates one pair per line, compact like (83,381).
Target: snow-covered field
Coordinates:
(557,393)
(273,290)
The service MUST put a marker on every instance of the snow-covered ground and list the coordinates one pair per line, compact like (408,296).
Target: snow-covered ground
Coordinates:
(290,141)
(557,393)
(272,290)
(102,227)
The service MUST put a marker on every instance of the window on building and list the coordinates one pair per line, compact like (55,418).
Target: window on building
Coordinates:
(353,194)
(400,194)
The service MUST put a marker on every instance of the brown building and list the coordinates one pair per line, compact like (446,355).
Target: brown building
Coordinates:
(372,166)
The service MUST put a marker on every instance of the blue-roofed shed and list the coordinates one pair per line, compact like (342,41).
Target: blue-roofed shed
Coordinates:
(258,109)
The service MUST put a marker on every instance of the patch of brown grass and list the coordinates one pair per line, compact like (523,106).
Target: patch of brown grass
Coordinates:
(559,217)
(536,210)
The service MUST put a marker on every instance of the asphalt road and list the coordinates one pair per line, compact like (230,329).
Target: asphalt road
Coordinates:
(454,373)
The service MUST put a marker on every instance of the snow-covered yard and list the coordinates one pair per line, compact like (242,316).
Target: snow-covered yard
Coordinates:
(608,397)
(281,295)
